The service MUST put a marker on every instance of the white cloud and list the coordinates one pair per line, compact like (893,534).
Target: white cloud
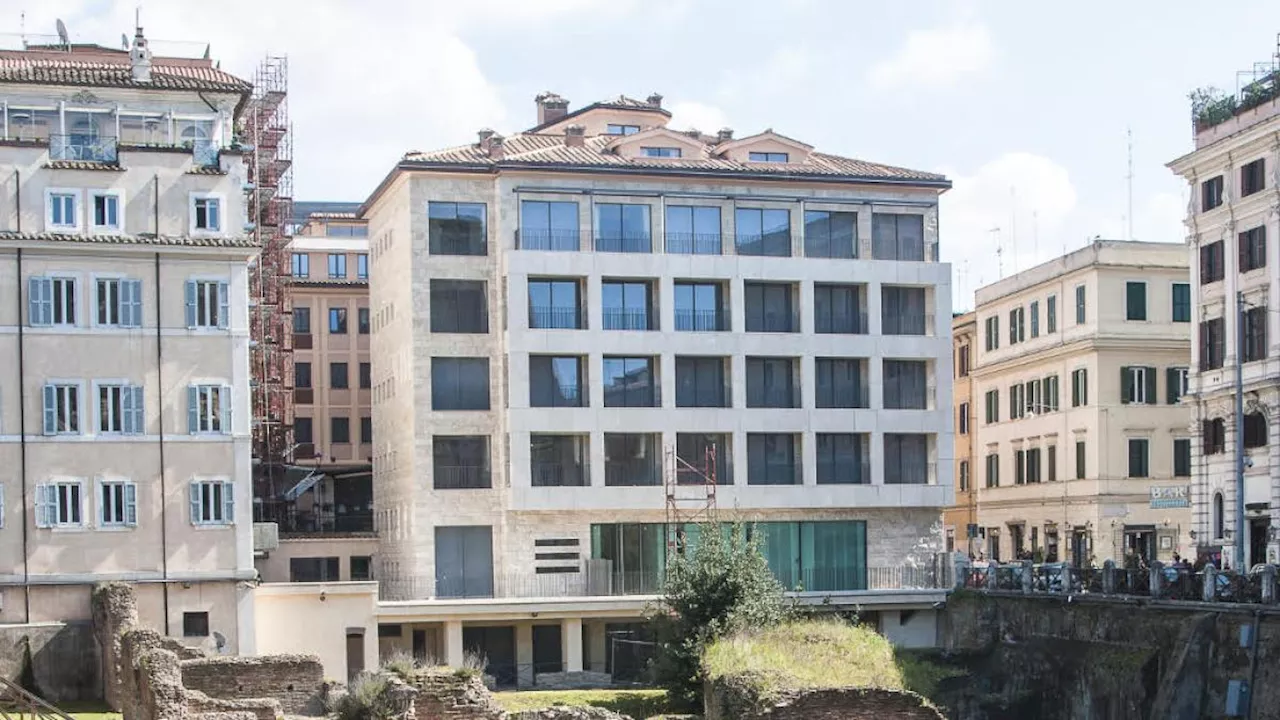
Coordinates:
(935,57)
(696,115)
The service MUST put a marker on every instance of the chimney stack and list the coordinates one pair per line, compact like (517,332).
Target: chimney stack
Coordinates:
(575,135)
(496,147)
(655,100)
(725,135)
(140,58)
(551,107)
(486,135)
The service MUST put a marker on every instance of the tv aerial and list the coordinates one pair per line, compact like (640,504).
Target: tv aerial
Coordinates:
(62,33)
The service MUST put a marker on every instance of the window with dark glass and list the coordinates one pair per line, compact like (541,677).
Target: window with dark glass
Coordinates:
(840,382)
(627,305)
(906,385)
(301,265)
(1139,460)
(771,382)
(1182,457)
(1181,302)
(843,458)
(339,430)
(1080,460)
(337,321)
(337,266)
(1079,387)
(906,459)
(1051,314)
(962,361)
(992,399)
(897,237)
(1255,430)
(700,382)
(361,568)
(699,453)
(902,311)
(662,152)
(366,375)
(993,470)
(459,306)
(773,459)
(769,307)
(778,157)
(629,382)
(1210,193)
(366,430)
(616,129)
(556,304)
(1017,325)
(362,320)
(559,460)
(460,462)
(991,333)
(1080,304)
(1255,334)
(1176,382)
(700,306)
(1253,248)
(839,309)
(456,229)
(303,432)
(338,376)
(1211,263)
(549,226)
(362,266)
(830,234)
(693,229)
(1253,177)
(763,231)
(459,383)
(302,320)
(1034,312)
(1213,435)
(556,381)
(1212,339)
(622,228)
(632,459)
(302,375)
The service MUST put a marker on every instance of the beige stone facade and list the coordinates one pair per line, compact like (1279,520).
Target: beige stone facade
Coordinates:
(1081,439)
(957,518)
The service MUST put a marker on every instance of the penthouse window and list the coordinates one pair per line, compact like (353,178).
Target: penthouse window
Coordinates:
(456,228)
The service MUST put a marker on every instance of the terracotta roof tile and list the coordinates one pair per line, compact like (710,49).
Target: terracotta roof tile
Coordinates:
(107,68)
(205,170)
(83,165)
(168,240)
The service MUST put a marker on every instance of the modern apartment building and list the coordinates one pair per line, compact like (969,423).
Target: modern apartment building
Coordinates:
(323,503)
(963,515)
(567,320)
(1081,441)
(124,372)
(1232,226)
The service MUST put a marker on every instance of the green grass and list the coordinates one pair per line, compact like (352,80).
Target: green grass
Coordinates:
(89,711)
(639,704)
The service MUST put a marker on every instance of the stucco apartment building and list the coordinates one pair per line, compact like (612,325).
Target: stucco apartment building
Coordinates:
(124,373)
(323,506)
(1232,229)
(960,517)
(1081,440)
(559,315)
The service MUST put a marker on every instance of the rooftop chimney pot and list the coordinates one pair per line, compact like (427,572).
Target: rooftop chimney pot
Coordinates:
(496,146)
(551,107)
(575,135)
(725,134)
(655,100)
(486,134)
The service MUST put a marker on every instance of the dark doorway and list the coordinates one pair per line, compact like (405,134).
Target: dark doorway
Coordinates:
(1259,528)
(547,646)
(1140,542)
(498,646)
(355,655)
(420,645)
(629,647)
(1079,547)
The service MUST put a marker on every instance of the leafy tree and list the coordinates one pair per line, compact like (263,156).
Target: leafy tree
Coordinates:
(719,584)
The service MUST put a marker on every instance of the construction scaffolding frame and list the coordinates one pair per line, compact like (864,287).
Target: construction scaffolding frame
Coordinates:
(691,493)
(265,126)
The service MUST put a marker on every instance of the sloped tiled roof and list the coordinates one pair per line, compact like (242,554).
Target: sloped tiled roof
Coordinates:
(104,67)
(148,239)
(83,165)
(622,102)
(533,150)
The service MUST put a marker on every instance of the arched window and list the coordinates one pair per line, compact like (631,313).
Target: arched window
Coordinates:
(1255,430)
(1217,516)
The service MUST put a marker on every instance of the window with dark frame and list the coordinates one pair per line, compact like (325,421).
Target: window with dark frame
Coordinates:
(701,382)
(459,383)
(1213,436)
(830,234)
(337,321)
(1181,302)
(339,430)
(338,376)
(456,228)
(362,320)
(1255,334)
(1135,300)
(771,382)
(302,375)
(1211,193)
(693,230)
(1211,263)
(839,309)
(630,382)
(1255,430)
(195,624)
(1253,177)
(459,306)
(1212,343)
(366,375)
(556,381)
(366,430)
(1253,248)
(769,307)
(763,232)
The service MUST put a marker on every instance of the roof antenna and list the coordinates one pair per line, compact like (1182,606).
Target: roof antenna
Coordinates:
(62,34)
(1129,180)
(995,232)
(207,48)
(124,41)
(22,28)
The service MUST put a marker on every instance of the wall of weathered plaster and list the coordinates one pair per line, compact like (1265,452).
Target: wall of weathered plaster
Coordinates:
(57,661)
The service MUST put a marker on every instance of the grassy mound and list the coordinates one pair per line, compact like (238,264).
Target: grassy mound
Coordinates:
(636,703)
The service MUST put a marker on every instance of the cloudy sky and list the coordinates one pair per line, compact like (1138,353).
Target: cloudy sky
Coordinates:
(1025,105)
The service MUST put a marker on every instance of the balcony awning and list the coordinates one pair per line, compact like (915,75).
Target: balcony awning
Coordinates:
(304,484)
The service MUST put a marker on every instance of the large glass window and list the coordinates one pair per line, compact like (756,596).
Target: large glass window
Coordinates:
(623,228)
(830,234)
(897,237)
(769,307)
(556,304)
(632,459)
(693,230)
(459,383)
(771,382)
(464,561)
(839,309)
(700,306)
(559,460)
(700,382)
(906,459)
(1182,302)
(629,382)
(773,459)
(1135,294)
(843,458)
(456,229)
(902,311)
(459,306)
(840,383)
(460,462)
(549,226)
(337,266)
(763,231)
(906,385)
(816,556)
(695,452)
(627,305)
(556,381)
(636,553)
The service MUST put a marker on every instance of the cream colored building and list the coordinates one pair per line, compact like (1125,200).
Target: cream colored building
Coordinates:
(1233,230)
(124,372)
(1082,443)
(957,518)
(557,315)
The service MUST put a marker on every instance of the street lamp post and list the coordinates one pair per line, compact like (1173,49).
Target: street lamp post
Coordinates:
(1240,534)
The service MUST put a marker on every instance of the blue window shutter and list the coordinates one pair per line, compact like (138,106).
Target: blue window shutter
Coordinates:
(131,303)
(229,502)
(195,503)
(50,410)
(40,302)
(191,303)
(131,409)
(224,307)
(193,409)
(139,411)
(130,504)
(224,407)
(46,502)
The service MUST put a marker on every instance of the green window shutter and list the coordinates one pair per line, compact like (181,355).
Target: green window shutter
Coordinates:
(1126,385)
(1171,385)
(1151,386)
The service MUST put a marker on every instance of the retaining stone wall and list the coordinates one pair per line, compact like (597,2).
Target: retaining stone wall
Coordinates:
(296,681)
(735,699)
(449,695)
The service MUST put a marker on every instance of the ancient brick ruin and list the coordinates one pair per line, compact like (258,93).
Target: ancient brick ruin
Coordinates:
(738,699)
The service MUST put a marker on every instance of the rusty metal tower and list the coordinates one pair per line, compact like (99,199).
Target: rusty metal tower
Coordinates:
(690,489)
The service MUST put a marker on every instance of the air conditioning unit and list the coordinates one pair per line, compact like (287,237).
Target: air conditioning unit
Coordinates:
(266,536)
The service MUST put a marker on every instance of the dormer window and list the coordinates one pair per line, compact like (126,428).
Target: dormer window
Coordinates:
(662,152)
(772,157)
(612,129)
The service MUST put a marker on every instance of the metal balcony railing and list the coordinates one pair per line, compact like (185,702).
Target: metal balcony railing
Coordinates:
(624,319)
(916,473)
(831,472)
(685,243)
(89,148)
(557,240)
(204,153)
(545,317)
(631,473)
(462,477)
(854,323)
(688,320)
(557,475)
(625,243)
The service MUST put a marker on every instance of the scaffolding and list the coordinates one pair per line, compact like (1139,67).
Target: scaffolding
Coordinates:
(690,491)
(265,127)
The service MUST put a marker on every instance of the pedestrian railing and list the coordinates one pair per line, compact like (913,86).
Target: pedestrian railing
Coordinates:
(1157,582)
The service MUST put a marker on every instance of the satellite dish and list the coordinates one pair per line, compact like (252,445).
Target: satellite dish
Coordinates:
(62,33)
(124,41)
(219,641)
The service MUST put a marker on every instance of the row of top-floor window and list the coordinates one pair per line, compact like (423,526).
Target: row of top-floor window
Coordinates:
(462,462)
(94,135)
(1139,385)
(459,229)
(1213,434)
(1022,318)
(337,321)
(339,430)
(462,383)
(300,265)
(61,300)
(1213,335)
(1253,179)
(461,306)
(1036,464)
(1251,254)
(101,211)
(339,376)
(115,408)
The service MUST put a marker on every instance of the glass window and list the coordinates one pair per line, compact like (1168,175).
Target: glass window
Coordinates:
(303,430)
(1138,457)
(700,454)
(208,304)
(840,383)
(459,383)
(464,561)
(549,225)
(843,459)
(778,157)
(897,237)
(456,228)
(632,459)
(771,382)
(339,430)
(338,375)
(839,309)
(1182,457)
(906,385)
(1051,314)
(693,230)
(629,382)
(1080,304)
(700,307)
(302,375)
(700,382)
(208,214)
(769,307)
(830,234)
(617,129)
(62,210)
(366,375)
(106,211)
(366,430)
(337,266)
(1182,302)
(362,266)
(622,228)
(1253,177)
(663,152)
(906,459)
(337,321)
(302,320)
(816,556)
(555,304)
(301,265)
(1211,263)
(626,305)
(1212,338)
(362,320)
(1253,248)
(1210,193)
(763,231)
(1135,294)
(559,460)
(636,554)
(773,459)
(313,569)
(459,306)
(556,381)
(902,311)
(460,462)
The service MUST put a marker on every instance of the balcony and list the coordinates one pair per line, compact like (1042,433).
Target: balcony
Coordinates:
(701,320)
(557,475)
(554,240)
(462,477)
(204,152)
(566,395)
(625,319)
(84,148)
(917,473)
(685,243)
(317,522)
(545,317)
(832,472)
(625,243)
(638,472)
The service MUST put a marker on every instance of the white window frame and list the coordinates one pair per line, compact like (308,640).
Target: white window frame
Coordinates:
(222,318)
(77,210)
(223,418)
(129,394)
(128,509)
(124,316)
(224,502)
(79,385)
(1137,385)
(56,299)
(49,499)
(222,214)
(1184,378)
(90,210)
